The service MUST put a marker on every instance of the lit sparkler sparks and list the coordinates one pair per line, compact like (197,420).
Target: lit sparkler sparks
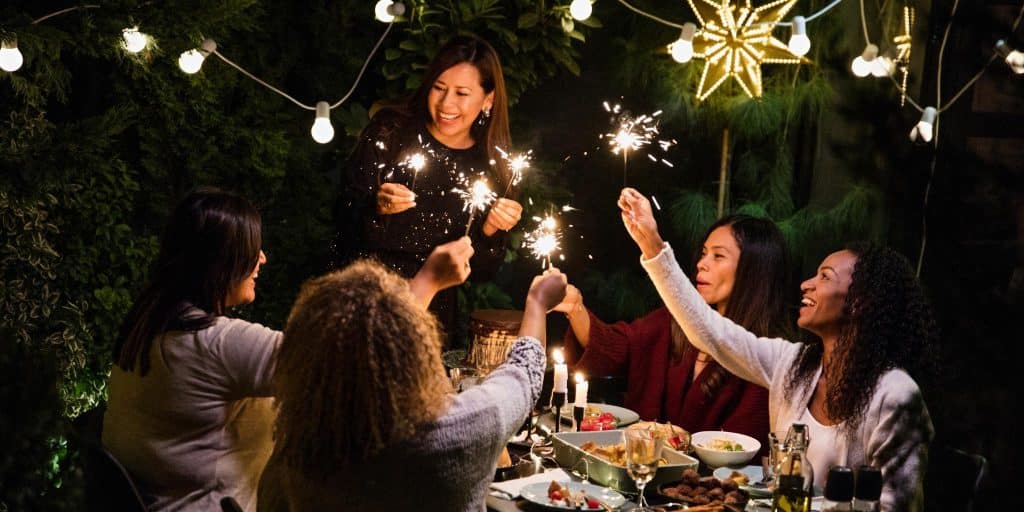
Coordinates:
(475,197)
(633,133)
(544,240)
(517,163)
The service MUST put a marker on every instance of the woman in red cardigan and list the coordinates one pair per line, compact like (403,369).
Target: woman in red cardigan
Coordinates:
(741,271)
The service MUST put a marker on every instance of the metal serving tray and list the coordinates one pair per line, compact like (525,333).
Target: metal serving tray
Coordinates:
(568,453)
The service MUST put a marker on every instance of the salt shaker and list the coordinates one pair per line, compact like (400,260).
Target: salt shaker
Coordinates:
(868,489)
(838,489)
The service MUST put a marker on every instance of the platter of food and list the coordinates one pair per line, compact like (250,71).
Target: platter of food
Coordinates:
(707,492)
(604,453)
(572,496)
(749,479)
(601,417)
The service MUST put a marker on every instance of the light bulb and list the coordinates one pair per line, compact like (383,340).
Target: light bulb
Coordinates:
(10,56)
(923,128)
(682,48)
(862,65)
(387,10)
(191,61)
(882,67)
(1013,58)
(134,41)
(322,131)
(580,9)
(799,43)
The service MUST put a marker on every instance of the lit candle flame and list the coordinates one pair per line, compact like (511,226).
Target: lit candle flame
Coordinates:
(579,378)
(556,354)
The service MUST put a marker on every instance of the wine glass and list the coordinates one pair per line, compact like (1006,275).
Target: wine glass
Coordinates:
(643,452)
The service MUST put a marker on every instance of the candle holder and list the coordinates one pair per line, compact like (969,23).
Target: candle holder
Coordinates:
(557,401)
(577,414)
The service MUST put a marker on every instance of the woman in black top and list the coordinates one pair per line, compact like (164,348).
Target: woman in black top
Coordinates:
(401,175)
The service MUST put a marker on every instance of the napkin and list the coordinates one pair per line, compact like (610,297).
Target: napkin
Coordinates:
(512,487)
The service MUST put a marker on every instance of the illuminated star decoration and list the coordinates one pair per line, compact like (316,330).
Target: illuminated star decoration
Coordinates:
(475,197)
(633,133)
(903,47)
(736,40)
(517,163)
(544,240)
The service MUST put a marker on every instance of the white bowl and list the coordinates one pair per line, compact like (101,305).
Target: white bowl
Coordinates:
(717,458)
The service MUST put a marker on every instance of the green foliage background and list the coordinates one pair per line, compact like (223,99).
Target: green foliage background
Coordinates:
(98,145)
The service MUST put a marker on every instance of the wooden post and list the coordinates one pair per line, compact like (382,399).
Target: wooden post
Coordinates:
(723,177)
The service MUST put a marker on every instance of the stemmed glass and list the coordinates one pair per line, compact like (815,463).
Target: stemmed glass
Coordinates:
(643,452)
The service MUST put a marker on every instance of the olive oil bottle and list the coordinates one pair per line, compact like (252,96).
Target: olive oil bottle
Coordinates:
(794,484)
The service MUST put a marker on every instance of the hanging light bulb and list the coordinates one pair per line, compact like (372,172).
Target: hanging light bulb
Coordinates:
(923,128)
(1013,58)
(134,41)
(799,43)
(884,65)
(580,9)
(682,48)
(387,10)
(862,65)
(10,56)
(192,60)
(322,131)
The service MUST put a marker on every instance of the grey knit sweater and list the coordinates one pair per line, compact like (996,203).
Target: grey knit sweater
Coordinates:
(447,467)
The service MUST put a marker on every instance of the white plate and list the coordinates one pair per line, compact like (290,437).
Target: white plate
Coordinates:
(623,416)
(537,493)
(754,474)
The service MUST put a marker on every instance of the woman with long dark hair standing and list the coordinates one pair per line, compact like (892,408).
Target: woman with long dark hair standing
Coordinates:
(852,385)
(398,199)
(741,267)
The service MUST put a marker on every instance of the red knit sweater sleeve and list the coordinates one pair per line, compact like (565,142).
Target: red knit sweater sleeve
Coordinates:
(608,352)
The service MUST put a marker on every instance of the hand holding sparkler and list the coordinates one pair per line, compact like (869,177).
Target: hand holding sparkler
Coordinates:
(504,215)
(394,198)
(639,221)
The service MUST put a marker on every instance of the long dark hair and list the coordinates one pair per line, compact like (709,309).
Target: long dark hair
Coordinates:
(887,324)
(494,132)
(756,302)
(211,244)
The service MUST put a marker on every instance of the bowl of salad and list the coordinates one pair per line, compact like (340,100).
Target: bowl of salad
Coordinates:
(718,448)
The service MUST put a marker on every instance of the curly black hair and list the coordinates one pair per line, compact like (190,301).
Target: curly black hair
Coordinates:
(887,324)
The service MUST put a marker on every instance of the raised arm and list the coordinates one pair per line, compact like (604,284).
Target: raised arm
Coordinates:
(447,266)
(735,348)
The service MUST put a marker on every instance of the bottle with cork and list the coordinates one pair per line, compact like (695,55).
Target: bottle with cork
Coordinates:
(794,481)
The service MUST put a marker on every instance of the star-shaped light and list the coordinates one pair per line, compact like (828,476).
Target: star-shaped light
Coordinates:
(735,40)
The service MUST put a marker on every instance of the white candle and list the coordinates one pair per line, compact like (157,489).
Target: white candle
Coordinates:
(581,390)
(561,384)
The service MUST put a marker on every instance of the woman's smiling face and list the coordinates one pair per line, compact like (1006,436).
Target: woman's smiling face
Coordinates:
(454,102)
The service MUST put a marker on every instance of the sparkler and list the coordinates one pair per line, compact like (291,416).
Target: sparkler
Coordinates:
(417,161)
(633,133)
(517,163)
(544,240)
(475,197)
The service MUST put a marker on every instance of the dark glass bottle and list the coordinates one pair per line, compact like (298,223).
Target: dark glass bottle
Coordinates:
(838,490)
(868,490)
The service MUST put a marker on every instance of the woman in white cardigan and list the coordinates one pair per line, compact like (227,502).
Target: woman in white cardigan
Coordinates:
(851,386)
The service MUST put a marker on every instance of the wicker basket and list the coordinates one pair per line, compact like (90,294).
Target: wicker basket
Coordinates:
(494,332)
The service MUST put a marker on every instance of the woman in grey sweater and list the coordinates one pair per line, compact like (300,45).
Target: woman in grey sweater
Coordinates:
(368,419)
(851,385)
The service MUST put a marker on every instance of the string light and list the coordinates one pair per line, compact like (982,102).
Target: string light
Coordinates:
(191,61)
(322,131)
(799,43)
(682,49)
(134,41)
(862,65)
(885,64)
(581,9)
(387,10)
(923,128)
(11,58)
(1013,58)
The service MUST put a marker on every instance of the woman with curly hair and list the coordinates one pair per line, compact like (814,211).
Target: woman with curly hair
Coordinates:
(367,417)
(740,270)
(852,386)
